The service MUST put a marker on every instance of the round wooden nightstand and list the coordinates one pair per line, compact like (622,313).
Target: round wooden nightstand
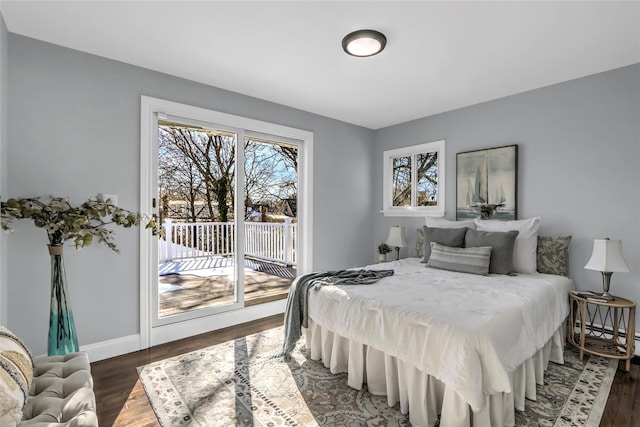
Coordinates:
(604,328)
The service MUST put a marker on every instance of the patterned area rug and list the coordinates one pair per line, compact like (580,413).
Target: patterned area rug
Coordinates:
(237,384)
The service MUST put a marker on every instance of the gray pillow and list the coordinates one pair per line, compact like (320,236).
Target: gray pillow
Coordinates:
(463,260)
(419,243)
(501,248)
(553,255)
(452,237)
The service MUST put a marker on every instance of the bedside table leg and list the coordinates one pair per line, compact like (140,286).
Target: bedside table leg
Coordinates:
(630,339)
(583,327)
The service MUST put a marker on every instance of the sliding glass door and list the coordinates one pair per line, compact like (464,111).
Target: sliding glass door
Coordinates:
(229,233)
(197,254)
(232,196)
(270,219)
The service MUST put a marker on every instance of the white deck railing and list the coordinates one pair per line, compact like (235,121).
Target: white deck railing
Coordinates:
(264,240)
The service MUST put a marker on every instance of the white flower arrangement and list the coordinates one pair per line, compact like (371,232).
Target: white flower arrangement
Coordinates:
(63,222)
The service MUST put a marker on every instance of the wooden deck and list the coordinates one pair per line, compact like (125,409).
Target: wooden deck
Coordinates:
(194,284)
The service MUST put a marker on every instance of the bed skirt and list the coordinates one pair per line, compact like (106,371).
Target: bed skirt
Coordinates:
(423,396)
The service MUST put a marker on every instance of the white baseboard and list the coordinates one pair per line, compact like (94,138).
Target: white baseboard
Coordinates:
(111,348)
(119,346)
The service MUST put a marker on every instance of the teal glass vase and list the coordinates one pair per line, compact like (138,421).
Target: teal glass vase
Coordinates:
(62,329)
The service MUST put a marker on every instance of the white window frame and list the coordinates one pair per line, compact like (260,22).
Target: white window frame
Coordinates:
(387,186)
(150,108)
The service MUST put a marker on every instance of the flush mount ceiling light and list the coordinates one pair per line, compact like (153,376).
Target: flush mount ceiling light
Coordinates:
(364,43)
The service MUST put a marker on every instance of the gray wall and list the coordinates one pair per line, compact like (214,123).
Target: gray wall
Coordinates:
(75,131)
(3,169)
(578,167)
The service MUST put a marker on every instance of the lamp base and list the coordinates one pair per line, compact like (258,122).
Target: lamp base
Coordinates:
(607,296)
(606,281)
(397,248)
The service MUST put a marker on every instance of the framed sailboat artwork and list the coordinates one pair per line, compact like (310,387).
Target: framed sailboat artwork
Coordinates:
(487,183)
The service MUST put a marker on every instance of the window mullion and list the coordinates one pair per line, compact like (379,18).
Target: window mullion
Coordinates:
(240,183)
(414,180)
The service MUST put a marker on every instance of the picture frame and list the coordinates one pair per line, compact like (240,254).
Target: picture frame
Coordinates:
(487,183)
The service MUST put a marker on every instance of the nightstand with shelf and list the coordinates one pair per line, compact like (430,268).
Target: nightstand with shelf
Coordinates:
(604,328)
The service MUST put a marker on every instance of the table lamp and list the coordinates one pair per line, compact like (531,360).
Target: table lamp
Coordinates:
(607,258)
(396,239)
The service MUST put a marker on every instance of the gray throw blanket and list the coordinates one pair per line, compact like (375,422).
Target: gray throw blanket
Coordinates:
(296,314)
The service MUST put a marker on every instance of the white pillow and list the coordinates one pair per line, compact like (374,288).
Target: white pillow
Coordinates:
(439,222)
(524,250)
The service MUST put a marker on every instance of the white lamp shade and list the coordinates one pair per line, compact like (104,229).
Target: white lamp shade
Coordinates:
(396,237)
(607,256)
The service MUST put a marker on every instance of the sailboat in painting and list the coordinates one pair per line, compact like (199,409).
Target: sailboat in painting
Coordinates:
(490,187)
(478,195)
(500,195)
(481,189)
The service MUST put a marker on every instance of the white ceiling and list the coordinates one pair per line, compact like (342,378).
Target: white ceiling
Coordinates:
(439,56)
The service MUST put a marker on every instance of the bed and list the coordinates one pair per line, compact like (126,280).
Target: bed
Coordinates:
(458,348)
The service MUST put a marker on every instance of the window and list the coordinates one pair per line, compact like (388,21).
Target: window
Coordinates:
(414,180)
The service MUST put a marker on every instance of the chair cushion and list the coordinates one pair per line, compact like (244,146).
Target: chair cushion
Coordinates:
(61,393)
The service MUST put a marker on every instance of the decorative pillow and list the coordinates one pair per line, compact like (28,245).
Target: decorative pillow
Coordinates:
(16,374)
(501,243)
(464,260)
(453,237)
(419,243)
(553,255)
(438,222)
(524,255)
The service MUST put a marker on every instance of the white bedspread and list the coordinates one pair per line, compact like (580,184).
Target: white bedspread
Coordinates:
(466,330)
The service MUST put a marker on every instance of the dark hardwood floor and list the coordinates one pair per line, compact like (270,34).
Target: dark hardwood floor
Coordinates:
(121,399)
(623,405)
